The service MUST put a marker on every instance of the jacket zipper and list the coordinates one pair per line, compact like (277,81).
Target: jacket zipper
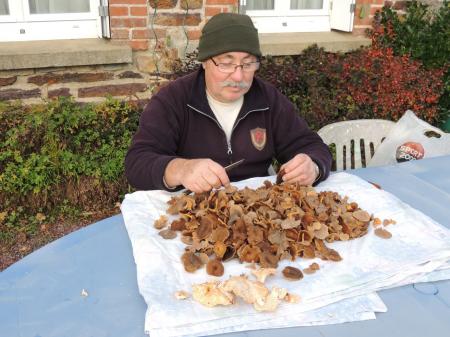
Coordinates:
(229,149)
(234,127)
(248,112)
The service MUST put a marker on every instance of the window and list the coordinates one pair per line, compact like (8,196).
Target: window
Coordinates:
(26,20)
(278,16)
(4,7)
(283,16)
(5,11)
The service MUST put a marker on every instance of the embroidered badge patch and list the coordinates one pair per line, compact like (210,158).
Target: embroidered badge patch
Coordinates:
(258,137)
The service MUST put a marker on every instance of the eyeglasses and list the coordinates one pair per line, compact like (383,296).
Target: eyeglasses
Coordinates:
(230,68)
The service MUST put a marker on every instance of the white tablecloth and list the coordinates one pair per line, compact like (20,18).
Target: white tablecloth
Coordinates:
(419,245)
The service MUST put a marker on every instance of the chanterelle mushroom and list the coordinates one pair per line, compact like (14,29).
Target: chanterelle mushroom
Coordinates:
(262,273)
(210,294)
(255,292)
(292,298)
(271,301)
(249,291)
(214,268)
(252,292)
(181,295)
(268,224)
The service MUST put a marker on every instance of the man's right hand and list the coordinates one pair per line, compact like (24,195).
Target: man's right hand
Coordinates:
(197,175)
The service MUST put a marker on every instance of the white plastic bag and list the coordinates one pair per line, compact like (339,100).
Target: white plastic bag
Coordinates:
(410,139)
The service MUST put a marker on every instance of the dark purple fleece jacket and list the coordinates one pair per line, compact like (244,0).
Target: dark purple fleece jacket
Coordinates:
(178,123)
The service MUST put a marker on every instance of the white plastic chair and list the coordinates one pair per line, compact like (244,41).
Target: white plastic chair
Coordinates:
(359,138)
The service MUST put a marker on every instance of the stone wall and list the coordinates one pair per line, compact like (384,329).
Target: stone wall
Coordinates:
(85,84)
(160,31)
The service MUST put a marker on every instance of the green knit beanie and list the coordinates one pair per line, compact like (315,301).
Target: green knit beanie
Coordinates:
(228,32)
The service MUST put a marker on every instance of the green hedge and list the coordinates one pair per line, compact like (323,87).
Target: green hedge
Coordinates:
(367,83)
(63,152)
(423,33)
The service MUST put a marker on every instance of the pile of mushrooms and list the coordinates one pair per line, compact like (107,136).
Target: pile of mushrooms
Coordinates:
(263,226)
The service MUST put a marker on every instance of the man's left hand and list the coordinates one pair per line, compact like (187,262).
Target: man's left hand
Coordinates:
(300,169)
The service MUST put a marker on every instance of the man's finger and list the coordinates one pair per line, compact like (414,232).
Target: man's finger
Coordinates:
(302,179)
(212,179)
(203,184)
(221,174)
(296,161)
(296,172)
(194,188)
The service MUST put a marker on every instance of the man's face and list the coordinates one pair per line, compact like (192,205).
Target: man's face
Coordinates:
(228,87)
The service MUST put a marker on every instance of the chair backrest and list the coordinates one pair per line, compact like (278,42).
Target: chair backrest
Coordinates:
(355,140)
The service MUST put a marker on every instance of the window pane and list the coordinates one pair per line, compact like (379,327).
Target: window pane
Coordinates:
(4,8)
(306,4)
(260,4)
(58,6)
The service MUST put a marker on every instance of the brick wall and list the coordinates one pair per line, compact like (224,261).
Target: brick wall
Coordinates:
(130,22)
(364,13)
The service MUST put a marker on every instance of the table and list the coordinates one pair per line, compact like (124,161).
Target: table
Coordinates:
(40,296)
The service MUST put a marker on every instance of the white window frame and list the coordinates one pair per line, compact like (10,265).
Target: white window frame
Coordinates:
(14,10)
(20,25)
(282,19)
(342,15)
(93,4)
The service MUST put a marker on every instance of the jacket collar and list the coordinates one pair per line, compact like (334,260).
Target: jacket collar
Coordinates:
(254,99)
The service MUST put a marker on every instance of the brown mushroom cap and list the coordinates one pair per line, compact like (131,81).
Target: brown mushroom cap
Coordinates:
(206,227)
(280,175)
(219,249)
(214,268)
(361,215)
(268,260)
(220,234)
(161,222)
(168,234)
(191,262)
(314,266)
(248,253)
(292,273)
(178,225)
(383,233)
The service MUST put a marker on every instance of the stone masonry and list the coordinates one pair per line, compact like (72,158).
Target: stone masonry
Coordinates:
(85,84)
(173,28)
(159,32)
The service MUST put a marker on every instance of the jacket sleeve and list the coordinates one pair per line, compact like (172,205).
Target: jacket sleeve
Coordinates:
(154,145)
(293,136)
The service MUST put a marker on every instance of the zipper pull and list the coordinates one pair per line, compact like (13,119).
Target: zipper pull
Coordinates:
(229,152)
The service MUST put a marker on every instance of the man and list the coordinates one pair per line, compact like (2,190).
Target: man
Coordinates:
(220,114)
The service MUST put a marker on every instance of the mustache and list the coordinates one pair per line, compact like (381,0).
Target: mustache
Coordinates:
(242,84)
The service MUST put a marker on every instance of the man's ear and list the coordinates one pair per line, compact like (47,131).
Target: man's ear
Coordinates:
(203,65)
